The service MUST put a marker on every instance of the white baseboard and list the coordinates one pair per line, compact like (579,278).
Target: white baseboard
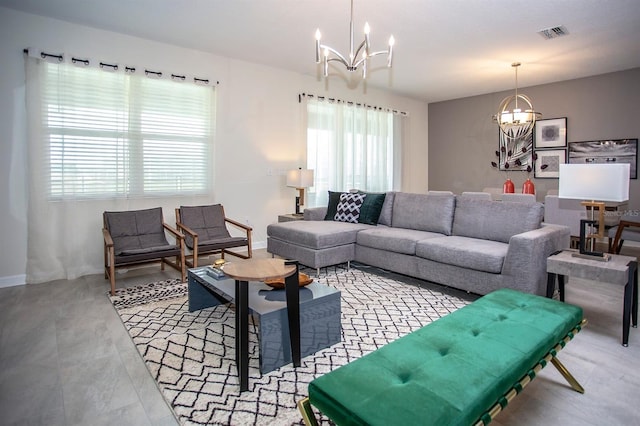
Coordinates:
(13,281)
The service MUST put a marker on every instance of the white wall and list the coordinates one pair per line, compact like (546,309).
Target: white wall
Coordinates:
(259,125)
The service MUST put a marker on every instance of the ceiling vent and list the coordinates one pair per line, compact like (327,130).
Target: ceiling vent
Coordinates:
(554,32)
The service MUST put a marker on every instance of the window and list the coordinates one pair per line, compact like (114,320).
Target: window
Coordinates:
(349,147)
(111,134)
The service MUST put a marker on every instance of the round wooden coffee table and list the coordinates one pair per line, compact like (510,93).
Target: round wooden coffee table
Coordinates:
(244,271)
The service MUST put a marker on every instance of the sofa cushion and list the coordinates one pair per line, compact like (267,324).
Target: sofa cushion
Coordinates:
(371,207)
(495,220)
(348,209)
(316,234)
(398,240)
(432,213)
(386,212)
(470,253)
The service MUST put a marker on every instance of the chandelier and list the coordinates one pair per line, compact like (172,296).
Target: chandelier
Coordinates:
(356,58)
(515,123)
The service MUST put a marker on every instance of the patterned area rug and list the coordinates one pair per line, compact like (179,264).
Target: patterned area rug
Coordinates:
(191,355)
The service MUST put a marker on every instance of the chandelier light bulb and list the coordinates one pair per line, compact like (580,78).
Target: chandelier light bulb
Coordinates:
(366,28)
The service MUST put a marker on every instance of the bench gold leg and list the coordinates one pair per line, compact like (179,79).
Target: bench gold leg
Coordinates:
(565,373)
(307,413)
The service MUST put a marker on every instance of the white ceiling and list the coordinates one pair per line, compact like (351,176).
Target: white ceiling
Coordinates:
(445,49)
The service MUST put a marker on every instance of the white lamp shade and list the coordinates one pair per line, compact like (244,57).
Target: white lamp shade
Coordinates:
(597,182)
(300,178)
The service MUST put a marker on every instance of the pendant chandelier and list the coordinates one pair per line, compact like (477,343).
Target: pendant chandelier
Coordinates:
(357,57)
(515,123)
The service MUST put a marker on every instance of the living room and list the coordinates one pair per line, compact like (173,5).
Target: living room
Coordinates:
(450,142)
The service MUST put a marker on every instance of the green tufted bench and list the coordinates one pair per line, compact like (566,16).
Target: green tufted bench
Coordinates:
(462,369)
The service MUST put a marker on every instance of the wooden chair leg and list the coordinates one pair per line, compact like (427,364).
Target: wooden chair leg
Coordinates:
(112,271)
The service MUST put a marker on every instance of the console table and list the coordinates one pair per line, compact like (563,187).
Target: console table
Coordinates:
(620,270)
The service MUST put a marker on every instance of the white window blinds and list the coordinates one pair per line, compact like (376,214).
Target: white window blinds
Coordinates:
(110,134)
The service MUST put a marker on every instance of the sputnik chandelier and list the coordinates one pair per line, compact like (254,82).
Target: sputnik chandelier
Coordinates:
(356,58)
(516,123)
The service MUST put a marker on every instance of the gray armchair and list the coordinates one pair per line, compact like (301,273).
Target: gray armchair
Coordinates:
(138,237)
(205,230)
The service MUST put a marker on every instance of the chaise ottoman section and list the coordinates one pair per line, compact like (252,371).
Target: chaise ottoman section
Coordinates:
(314,243)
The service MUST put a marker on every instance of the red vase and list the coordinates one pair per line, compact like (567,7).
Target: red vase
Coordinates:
(508,187)
(528,187)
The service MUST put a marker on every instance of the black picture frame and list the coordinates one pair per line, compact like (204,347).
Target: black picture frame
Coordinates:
(550,133)
(605,151)
(547,164)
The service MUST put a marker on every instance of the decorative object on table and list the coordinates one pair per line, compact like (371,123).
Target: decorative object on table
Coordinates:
(300,179)
(508,187)
(528,187)
(355,58)
(606,151)
(547,163)
(513,122)
(598,183)
(551,133)
(278,283)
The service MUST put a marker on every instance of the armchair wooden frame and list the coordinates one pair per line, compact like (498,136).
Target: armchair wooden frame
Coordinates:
(110,257)
(616,245)
(191,259)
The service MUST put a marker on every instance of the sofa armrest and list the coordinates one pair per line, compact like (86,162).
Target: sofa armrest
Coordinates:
(315,213)
(527,255)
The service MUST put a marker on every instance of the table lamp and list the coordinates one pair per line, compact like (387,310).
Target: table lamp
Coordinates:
(300,179)
(597,183)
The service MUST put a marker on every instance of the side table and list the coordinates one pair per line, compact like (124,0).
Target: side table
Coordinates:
(290,217)
(260,270)
(621,270)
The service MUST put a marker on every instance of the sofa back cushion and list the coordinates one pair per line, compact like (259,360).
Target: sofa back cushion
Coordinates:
(432,213)
(495,220)
(386,213)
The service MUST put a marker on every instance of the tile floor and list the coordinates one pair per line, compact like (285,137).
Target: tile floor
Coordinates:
(66,359)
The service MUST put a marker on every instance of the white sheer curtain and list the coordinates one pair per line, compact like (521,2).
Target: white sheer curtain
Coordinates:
(351,147)
(94,146)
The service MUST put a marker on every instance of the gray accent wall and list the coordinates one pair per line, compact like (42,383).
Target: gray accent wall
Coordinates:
(463,139)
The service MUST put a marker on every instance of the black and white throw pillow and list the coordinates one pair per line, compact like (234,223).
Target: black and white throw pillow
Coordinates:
(349,207)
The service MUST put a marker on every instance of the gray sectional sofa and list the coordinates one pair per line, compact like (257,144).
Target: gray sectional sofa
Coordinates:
(473,245)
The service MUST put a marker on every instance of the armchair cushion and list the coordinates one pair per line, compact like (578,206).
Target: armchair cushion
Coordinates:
(137,232)
(206,221)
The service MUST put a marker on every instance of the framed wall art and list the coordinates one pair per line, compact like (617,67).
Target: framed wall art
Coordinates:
(547,165)
(514,153)
(606,151)
(551,133)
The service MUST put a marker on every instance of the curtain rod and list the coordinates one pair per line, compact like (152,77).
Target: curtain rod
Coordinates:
(301,96)
(115,67)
